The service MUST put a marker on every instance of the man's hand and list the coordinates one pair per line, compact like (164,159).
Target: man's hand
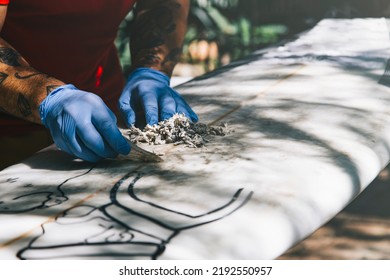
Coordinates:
(82,125)
(156,42)
(148,95)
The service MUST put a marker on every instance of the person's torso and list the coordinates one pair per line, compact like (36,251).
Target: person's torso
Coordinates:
(71,40)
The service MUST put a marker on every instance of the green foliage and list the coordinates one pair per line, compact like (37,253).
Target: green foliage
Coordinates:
(224,4)
(122,44)
(225,22)
(222,23)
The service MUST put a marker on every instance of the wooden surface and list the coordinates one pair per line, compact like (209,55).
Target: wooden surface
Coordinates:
(311,121)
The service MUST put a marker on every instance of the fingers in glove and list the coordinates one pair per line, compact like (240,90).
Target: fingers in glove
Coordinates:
(126,110)
(128,115)
(71,143)
(82,151)
(150,106)
(183,108)
(94,141)
(167,106)
(113,138)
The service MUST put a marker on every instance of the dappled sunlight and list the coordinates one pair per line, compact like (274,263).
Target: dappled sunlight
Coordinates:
(309,125)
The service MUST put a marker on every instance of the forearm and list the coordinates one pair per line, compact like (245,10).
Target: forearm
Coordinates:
(22,88)
(158,33)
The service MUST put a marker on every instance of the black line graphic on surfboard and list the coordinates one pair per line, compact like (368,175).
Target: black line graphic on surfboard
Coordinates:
(27,198)
(121,229)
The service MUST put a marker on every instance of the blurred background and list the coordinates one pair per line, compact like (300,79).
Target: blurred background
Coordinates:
(222,31)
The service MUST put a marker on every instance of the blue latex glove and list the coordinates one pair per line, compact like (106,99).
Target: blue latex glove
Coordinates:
(82,125)
(148,95)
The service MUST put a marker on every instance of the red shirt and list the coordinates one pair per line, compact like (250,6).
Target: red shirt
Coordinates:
(71,40)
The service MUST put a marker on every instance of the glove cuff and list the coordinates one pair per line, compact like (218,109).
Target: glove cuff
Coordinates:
(45,103)
(149,73)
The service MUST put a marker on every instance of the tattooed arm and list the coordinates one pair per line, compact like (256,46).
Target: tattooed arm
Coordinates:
(79,122)
(22,88)
(158,33)
(156,42)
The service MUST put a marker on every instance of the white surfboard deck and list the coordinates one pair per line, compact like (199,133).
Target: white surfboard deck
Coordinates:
(312,130)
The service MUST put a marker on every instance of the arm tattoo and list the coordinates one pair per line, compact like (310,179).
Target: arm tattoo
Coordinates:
(151,30)
(22,88)
(9,56)
(3,76)
(20,77)
(148,57)
(24,106)
(173,56)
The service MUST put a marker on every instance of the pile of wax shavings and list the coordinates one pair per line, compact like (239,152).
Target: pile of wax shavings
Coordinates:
(176,130)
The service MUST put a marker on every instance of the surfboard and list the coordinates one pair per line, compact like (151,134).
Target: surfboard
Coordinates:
(311,121)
